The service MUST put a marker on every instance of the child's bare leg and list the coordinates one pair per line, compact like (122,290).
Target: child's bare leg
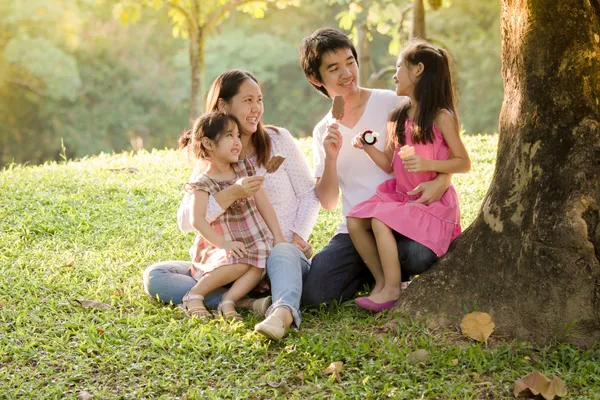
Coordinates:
(242,286)
(215,279)
(364,241)
(386,242)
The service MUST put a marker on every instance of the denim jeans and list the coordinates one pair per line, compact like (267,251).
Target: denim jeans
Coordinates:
(338,272)
(287,267)
(169,281)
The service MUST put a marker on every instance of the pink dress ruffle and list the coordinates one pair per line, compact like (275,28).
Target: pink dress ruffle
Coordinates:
(433,225)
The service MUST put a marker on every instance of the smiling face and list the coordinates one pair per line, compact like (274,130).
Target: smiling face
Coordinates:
(339,73)
(406,77)
(228,145)
(247,106)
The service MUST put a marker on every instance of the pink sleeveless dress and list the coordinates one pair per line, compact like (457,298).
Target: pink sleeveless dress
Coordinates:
(433,225)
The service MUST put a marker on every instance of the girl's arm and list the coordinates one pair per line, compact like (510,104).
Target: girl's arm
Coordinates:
(243,188)
(265,208)
(383,159)
(198,202)
(459,160)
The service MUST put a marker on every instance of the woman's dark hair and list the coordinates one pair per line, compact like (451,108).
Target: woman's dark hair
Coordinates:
(225,87)
(316,45)
(433,93)
(211,126)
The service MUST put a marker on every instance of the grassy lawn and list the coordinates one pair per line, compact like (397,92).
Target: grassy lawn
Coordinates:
(79,230)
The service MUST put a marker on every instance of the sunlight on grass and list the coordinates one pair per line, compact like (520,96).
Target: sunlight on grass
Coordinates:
(79,230)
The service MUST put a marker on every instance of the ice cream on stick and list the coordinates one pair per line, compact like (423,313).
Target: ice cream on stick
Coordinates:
(337,110)
(406,151)
(273,164)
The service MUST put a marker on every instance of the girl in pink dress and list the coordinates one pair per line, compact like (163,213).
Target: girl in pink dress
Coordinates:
(427,124)
(234,247)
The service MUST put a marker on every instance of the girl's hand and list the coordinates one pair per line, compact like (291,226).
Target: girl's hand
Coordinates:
(235,249)
(415,163)
(249,185)
(357,141)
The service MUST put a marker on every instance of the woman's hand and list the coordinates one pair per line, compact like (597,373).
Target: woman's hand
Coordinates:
(235,249)
(415,163)
(302,245)
(248,185)
(357,141)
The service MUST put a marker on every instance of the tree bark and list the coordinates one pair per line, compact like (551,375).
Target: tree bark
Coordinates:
(418,20)
(364,55)
(531,257)
(197,66)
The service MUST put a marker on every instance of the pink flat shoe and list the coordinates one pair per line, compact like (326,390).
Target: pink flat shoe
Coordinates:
(368,304)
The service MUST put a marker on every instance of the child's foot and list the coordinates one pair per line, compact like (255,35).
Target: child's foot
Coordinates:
(193,306)
(385,295)
(377,288)
(377,302)
(227,310)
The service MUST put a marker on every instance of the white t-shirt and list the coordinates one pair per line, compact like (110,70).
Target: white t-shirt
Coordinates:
(358,176)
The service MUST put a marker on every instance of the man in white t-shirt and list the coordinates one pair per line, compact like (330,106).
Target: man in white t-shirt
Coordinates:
(329,61)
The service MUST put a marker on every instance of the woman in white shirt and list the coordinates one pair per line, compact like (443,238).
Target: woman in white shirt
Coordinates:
(291,190)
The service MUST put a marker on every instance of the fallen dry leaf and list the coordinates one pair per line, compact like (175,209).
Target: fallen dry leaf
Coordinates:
(84,396)
(69,264)
(100,331)
(334,369)
(278,385)
(3,302)
(478,326)
(537,383)
(417,356)
(92,304)
(455,361)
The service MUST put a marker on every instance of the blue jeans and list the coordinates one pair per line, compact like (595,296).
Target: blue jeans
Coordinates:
(169,281)
(286,266)
(338,272)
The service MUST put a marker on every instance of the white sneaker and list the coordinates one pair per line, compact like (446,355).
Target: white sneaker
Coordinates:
(272,327)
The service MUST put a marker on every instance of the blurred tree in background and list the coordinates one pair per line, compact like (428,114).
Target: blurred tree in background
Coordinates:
(71,71)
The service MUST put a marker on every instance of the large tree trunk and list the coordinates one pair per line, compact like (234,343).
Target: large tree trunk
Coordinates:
(197,73)
(364,55)
(418,20)
(531,258)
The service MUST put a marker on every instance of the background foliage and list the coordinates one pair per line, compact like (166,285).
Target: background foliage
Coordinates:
(75,81)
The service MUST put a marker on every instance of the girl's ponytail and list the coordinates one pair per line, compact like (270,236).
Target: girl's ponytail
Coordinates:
(396,134)
(185,139)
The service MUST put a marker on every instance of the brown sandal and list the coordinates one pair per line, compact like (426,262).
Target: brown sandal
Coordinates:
(230,315)
(199,312)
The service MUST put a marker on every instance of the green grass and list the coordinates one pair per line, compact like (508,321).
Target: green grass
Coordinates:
(78,230)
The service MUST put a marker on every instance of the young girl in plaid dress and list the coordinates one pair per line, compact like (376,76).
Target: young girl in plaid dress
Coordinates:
(234,247)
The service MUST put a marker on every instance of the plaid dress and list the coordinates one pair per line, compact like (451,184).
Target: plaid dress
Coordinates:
(241,222)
